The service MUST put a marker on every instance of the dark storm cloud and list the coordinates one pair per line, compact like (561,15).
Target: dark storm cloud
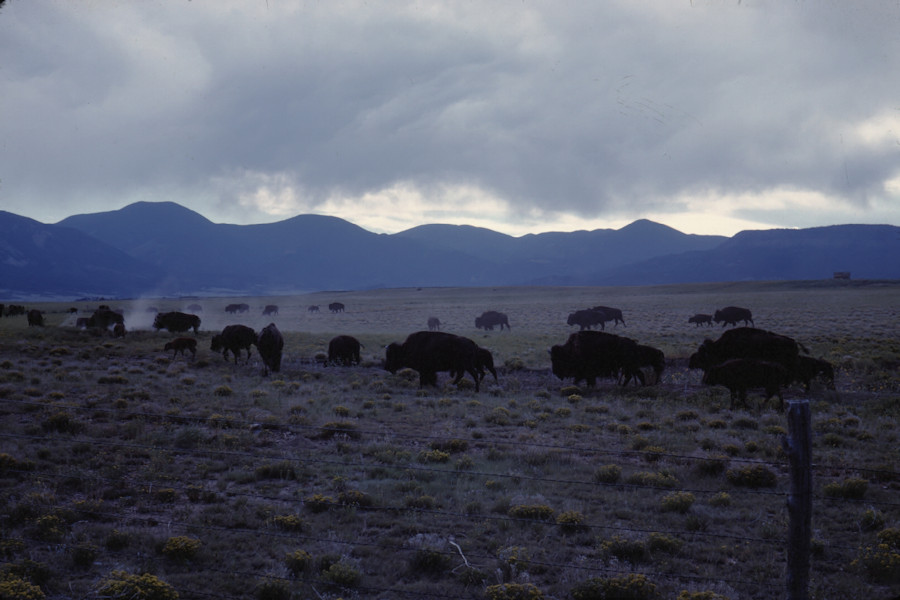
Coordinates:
(586,109)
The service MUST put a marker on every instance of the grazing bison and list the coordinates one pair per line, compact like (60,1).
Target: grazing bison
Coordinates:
(237,308)
(490,319)
(119,330)
(701,319)
(176,322)
(15,309)
(809,368)
(612,314)
(35,318)
(646,357)
(747,342)
(103,317)
(730,315)
(434,324)
(429,352)
(234,338)
(587,355)
(336,307)
(587,318)
(270,309)
(180,345)
(270,343)
(313,308)
(344,350)
(741,374)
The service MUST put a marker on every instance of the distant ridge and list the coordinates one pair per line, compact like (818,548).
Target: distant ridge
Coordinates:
(163,248)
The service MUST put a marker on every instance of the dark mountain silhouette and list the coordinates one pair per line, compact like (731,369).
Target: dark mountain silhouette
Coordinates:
(48,260)
(166,249)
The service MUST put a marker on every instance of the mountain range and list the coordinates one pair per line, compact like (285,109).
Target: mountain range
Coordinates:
(163,248)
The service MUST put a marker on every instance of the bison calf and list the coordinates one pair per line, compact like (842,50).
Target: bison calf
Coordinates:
(180,345)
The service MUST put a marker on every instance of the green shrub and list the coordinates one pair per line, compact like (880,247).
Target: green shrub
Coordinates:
(122,585)
(685,595)
(273,589)
(720,499)
(298,562)
(223,391)
(632,587)
(534,512)
(342,574)
(679,502)
(633,551)
(752,476)
(181,548)
(608,474)
(513,591)
(652,479)
(712,466)
(881,562)
(851,489)
(871,520)
(355,498)
(83,556)
(318,503)
(658,542)
(571,521)
(288,522)
(428,562)
(14,588)
(280,470)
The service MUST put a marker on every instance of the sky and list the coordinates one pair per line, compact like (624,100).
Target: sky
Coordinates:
(522,116)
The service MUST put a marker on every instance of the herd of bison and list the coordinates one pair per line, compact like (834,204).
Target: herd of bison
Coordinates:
(743,358)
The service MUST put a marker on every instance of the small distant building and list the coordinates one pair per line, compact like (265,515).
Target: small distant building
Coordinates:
(842,274)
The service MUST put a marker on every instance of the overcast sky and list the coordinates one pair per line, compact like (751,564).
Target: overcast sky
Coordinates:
(711,116)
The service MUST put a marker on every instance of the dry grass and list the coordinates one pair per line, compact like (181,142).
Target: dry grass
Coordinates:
(318,481)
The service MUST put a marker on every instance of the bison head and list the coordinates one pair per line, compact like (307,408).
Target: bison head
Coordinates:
(216,343)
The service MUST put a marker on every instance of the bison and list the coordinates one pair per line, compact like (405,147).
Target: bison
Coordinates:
(234,338)
(434,324)
(237,308)
(490,319)
(270,343)
(336,307)
(103,317)
(587,355)
(119,330)
(313,308)
(180,345)
(730,315)
(741,374)
(612,314)
(747,342)
(35,318)
(344,350)
(809,368)
(431,351)
(270,309)
(587,318)
(701,319)
(176,322)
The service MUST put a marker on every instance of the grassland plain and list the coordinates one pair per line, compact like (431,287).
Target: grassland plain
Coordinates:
(127,472)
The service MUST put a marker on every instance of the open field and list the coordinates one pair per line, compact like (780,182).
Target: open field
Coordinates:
(117,459)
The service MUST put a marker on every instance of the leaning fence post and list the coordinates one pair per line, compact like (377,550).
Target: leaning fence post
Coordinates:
(798,446)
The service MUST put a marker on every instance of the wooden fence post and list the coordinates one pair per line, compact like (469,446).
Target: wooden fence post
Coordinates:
(798,447)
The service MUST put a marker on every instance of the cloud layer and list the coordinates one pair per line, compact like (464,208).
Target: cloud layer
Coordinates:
(521,116)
